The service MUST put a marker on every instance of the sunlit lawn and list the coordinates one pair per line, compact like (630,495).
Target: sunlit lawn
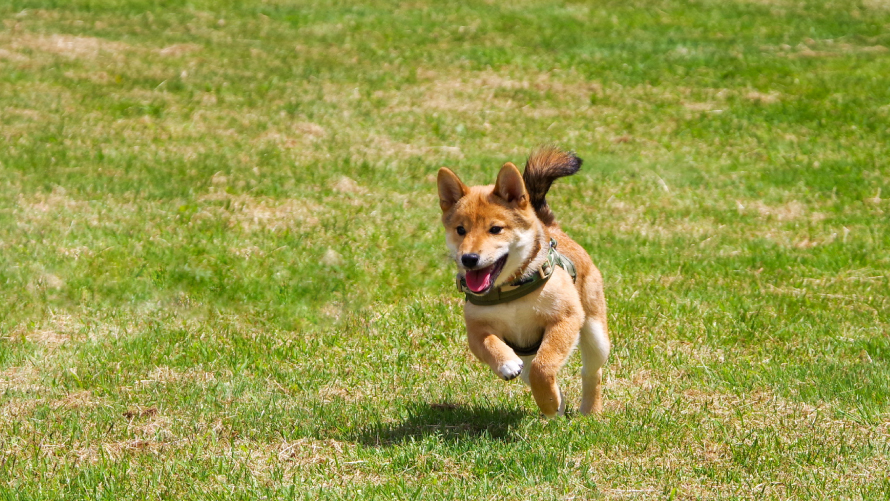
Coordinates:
(222,272)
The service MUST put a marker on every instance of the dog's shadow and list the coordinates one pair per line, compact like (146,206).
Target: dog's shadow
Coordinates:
(447,421)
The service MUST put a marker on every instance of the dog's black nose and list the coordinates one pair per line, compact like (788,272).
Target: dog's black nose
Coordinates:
(470,260)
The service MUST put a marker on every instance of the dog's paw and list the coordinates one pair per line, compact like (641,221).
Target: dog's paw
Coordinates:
(510,369)
(561,409)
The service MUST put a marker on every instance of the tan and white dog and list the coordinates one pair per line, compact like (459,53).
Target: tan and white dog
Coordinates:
(525,312)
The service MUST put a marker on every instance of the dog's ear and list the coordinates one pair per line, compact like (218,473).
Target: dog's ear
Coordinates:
(451,189)
(510,186)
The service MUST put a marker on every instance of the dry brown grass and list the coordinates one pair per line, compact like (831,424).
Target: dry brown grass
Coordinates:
(77,400)
(20,379)
(25,113)
(636,218)
(107,278)
(347,185)
(15,410)
(191,375)
(260,213)
(728,418)
(74,47)
(378,147)
(810,48)
(9,55)
(788,224)
(57,329)
(179,49)
(301,135)
(42,204)
(329,459)
(876,4)
(764,98)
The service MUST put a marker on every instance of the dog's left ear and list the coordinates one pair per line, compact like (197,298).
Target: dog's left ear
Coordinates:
(510,186)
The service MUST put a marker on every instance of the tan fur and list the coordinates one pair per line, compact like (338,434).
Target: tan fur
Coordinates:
(568,314)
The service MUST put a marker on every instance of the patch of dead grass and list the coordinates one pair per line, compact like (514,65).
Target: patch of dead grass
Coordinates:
(348,185)
(47,337)
(378,146)
(247,252)
(789,211)
(309,451)
(693,106)
(28,114)
(74,47)
(140,412)
(790,224)
(75,253)
(20,379)
(810,48)
(853,300)
(288,141)
(734,420)
(16,409)
(784,3)
(165,374)
(260,458)
(311,130)
(15,57)
(51,203)
(347,393)
(796,239)
(302,135)
(55,209)
(474,92)
(261,213)
(876,4)
(180,49)
(57,330)
(76,400)
(634,220)
(641,380)
(763,98)
(23,381)
(156,428)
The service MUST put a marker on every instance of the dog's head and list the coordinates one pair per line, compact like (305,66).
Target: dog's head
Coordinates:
(491,231)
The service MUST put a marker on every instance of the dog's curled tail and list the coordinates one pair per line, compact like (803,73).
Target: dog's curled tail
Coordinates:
(545,165)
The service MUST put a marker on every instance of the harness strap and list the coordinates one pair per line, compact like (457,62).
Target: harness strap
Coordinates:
(517,289)
(528,350)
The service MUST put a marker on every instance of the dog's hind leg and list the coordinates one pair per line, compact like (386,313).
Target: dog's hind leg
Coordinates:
(526,369)
(594,352)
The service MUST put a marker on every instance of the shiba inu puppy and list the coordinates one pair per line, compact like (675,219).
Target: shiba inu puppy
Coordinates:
(528,304)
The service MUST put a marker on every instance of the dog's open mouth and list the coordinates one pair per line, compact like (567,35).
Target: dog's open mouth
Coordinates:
(479,281)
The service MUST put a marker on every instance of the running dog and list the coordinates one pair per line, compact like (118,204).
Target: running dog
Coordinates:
(532,293)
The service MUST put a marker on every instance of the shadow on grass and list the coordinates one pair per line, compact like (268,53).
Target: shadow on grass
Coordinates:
(449,421)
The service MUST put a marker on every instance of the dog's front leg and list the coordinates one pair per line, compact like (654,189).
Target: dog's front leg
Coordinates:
(559,341)
(491,349)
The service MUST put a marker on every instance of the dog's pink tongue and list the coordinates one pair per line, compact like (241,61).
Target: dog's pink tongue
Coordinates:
(479,280)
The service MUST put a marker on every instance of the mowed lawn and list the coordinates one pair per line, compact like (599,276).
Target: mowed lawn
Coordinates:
(223,275)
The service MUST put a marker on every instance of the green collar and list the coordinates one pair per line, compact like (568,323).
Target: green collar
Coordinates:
(521,287)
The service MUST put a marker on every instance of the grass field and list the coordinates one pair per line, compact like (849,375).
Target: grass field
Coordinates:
(222,272)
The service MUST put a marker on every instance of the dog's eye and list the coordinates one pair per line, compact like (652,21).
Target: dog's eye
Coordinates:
(461,231)
(495,230)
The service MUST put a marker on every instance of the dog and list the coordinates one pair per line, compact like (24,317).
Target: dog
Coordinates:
(532,293)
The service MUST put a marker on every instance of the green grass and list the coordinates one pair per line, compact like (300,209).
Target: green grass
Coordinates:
(222,273)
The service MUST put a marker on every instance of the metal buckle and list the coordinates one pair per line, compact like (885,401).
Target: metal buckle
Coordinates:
(545,270)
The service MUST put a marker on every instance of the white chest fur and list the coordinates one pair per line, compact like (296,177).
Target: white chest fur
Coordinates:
(517,321)
(523,321)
